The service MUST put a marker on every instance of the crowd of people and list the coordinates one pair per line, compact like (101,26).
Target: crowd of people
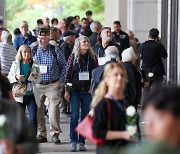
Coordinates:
(74,66)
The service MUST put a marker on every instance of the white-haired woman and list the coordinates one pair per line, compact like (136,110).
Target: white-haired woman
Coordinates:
(111,90)
(78,72)
(129,59)
(25,70)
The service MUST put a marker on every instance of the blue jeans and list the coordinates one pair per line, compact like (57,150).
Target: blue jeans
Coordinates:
(29,101)
(78,101)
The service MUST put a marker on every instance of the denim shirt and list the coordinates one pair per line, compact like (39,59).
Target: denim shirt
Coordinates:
(20,40)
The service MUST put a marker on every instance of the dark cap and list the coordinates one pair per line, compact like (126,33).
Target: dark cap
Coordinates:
(44,31)
(68,33)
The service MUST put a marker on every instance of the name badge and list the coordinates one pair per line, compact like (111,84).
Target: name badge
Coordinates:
(83,76)
(29,86)
(43,69)
(101,61)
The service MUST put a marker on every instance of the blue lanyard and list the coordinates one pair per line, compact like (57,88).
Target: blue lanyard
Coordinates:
(86,66)
(118,104)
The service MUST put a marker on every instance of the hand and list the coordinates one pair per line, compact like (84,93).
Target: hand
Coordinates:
(146,84)
(7,146)
(35,75)
(127,136)
(67,96)
(20,78)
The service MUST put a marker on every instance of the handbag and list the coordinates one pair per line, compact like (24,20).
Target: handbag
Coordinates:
(85,128)
(19,89)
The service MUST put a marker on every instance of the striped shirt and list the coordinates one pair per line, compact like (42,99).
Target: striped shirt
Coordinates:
(55,67)
(7,56)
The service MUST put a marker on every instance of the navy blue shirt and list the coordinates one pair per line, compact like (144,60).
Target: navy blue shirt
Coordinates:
(20,40)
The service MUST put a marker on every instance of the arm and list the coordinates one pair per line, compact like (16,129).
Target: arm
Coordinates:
(13,72)
(126,42)
(69,67)
(113,135)
(163,51)
(15,43)
(68,75)
(62,65)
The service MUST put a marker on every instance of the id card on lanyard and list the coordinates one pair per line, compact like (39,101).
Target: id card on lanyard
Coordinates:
(84,75)
(43,69)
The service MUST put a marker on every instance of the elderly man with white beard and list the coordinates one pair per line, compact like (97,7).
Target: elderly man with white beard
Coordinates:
(105,39)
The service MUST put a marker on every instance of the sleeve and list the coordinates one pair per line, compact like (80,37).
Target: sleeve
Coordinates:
(15,44)
(69,67)
(12,73)
(100,123)
(163,51)
(126,42)
(65,50)
(62,65)
(130,91)
(141,51)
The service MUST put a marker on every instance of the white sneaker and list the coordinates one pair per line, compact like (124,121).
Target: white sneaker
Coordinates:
(73,147)
(82,147)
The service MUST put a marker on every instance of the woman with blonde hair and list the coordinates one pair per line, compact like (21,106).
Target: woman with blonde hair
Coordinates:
(78,72)
(111,90)
(26,71)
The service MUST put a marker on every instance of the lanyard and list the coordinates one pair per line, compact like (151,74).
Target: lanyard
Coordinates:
(86,66)
(118,104)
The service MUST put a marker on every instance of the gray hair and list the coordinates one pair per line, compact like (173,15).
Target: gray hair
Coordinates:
(6,37)
(128,55)
(112,52)
(76,49)
(94,25)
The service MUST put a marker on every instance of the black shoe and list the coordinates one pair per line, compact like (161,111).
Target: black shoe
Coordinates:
(41,139)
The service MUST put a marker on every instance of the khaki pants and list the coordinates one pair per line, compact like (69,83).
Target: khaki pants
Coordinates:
(51,93)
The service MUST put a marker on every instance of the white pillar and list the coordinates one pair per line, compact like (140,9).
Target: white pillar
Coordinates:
(116,10)
(142,16)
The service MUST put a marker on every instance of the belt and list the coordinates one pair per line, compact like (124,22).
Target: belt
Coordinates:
(49,82)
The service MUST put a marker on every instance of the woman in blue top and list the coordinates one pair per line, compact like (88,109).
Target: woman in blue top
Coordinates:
(25,70)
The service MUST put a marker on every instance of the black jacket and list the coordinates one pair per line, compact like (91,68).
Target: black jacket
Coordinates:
(93,39)
(122,38)
(130,91)
(100,123)
(83,86)
(151,53)
(66,49)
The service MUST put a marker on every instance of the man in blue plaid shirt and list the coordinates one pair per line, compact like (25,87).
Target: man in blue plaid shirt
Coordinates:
(52,71)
